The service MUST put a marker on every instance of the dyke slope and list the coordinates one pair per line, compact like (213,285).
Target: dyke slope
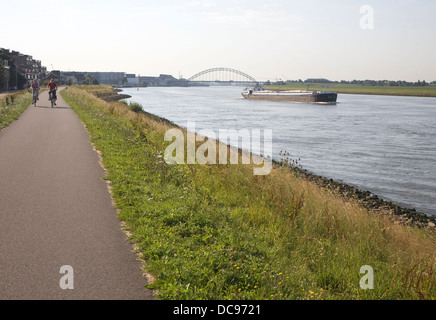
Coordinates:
(220,232)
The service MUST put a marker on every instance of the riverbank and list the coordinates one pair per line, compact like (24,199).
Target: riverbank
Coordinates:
(428,91)
(219,232)
(108,94)
(374,203)
(368,199)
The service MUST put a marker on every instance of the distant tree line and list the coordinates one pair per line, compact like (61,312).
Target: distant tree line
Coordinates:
(399,83)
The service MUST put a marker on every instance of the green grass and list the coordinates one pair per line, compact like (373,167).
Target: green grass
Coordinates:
(219,232)
(11,112)
(428,91)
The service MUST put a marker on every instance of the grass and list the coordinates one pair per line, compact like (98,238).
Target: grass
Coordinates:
(11,112)
(219,232)
(428,91)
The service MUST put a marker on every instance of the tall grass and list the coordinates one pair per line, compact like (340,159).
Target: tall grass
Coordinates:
(219,232)
(11,112)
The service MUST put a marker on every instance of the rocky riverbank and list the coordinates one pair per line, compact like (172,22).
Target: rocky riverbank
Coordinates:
(113,96)
(372,202)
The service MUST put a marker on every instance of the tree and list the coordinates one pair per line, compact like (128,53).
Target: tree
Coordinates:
(16,80)
(87,80)
(2,77)
(90,80)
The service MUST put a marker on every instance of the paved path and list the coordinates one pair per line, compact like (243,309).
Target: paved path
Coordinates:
(55,210)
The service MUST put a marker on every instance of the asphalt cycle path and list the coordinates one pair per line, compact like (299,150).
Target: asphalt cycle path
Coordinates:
(60,237)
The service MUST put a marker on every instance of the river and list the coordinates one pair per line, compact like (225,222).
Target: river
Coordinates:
(383,144)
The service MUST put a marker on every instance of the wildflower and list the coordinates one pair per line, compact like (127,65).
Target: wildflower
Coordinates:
(311,292)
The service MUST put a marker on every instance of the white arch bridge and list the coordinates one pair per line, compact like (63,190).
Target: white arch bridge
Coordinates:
(226,75)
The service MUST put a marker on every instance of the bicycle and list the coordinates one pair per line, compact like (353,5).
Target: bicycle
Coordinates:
(52,97)
(35,97)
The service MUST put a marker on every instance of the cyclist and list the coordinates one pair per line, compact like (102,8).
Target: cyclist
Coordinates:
(52,86)
(35,90)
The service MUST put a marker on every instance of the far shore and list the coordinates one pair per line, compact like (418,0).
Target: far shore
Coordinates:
(427,91)
(389,94)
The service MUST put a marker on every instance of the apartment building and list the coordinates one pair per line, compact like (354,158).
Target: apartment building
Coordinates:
(24,64)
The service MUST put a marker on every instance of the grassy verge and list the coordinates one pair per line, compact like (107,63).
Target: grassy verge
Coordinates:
(219,232)
(11,112)
(361,89)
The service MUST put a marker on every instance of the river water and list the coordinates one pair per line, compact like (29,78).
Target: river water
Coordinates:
(383,144)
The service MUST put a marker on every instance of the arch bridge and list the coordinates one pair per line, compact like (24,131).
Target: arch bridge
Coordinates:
(222,75)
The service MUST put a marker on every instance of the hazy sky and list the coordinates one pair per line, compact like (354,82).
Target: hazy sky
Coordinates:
(268,39)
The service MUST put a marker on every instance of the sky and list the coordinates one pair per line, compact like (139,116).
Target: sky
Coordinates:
(267,39)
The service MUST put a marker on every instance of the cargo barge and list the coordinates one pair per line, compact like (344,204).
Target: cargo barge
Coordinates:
(302,96)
